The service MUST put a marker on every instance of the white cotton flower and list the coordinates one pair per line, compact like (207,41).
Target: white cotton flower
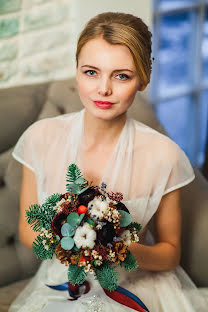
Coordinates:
(126,237)
(85,236)
(97,207)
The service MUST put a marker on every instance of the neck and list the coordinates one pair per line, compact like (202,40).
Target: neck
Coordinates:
(99,132)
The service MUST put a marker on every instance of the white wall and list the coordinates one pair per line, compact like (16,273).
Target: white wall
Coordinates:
(85,9)
(38,37)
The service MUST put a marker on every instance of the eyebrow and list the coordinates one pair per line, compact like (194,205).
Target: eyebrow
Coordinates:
(115,71)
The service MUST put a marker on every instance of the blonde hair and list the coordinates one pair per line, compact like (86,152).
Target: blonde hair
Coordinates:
(125,29)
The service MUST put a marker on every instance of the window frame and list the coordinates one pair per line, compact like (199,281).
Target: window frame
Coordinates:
(197,85)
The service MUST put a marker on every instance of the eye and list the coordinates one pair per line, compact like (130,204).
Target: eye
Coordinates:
(90,71)
(124,75)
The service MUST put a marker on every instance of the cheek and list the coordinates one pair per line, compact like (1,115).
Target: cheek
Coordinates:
(85,87)
(128,93)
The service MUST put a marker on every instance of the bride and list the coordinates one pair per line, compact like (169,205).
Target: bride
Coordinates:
(113,63)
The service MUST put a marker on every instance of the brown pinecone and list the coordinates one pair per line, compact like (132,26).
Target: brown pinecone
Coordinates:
(75,259)
(102,250)
(70,205)
(120,251)
(63,255)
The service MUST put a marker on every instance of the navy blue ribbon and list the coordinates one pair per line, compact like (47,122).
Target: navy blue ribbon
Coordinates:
(64,287)
(112,294)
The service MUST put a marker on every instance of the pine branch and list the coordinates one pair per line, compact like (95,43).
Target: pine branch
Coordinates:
(76,275)
(40,216)
(73,173)
(129,263)
(134,225)
(40,250)
(52,200)
(107,276)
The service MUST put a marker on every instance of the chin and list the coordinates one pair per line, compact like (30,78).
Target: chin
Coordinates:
(106,114)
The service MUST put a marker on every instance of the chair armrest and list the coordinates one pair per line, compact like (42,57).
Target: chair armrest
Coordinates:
(194,205)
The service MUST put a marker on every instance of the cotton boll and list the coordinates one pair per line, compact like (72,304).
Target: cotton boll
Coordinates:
(97,207)
(126,237)
(85,236)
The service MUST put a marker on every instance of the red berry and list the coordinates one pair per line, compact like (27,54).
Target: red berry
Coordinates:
(82,209)
(82,259)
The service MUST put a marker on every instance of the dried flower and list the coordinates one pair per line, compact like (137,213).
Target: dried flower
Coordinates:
(126,237)
(85,236)
(115,196)
(97,207)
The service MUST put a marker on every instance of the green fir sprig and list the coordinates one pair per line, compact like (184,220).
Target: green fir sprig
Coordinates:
(52,200)
(73,173)
(76,275)
(41,251)
(77,183)
(107,276)
(129,263)
(133,226)
(40,216)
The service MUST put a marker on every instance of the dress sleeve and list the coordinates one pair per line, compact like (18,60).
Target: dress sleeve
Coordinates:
(28,147)
(180,171)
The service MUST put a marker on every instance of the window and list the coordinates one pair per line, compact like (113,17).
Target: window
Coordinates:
(179,85)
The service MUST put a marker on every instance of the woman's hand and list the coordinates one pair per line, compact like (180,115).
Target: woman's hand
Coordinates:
(165,254)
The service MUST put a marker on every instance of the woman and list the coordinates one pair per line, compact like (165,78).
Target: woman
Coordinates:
(113,63)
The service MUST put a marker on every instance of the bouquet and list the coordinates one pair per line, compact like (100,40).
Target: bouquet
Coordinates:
(89,230)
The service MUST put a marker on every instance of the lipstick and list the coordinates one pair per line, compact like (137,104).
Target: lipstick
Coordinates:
(103,104)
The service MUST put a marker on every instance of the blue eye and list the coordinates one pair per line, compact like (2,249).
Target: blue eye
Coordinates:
(124,75)
(90,71)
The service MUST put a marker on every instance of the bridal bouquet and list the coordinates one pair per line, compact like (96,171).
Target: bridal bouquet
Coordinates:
(88,229)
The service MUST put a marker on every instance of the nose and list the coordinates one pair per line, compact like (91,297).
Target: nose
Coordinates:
(104,87)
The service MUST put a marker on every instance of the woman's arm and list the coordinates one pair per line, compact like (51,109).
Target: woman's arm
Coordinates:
(28,196)
(165,254)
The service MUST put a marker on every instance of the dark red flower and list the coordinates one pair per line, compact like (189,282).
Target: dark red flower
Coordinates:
(121,206)
(57,223)
(88,195)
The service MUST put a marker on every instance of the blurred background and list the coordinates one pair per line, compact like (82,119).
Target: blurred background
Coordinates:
(38,43)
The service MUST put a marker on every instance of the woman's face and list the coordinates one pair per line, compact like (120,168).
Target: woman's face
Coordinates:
(106,72)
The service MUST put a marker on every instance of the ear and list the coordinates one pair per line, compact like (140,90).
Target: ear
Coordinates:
(142,87)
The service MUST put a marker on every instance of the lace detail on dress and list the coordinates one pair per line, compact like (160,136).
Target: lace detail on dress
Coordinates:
(93,304)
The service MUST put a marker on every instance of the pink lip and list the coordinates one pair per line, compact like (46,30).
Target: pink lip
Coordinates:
(103,102)
(103,105)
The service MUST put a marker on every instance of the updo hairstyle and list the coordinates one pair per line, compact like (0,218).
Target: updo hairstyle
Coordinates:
(125,29)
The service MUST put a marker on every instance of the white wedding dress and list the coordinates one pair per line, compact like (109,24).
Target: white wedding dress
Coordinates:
(144,165)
